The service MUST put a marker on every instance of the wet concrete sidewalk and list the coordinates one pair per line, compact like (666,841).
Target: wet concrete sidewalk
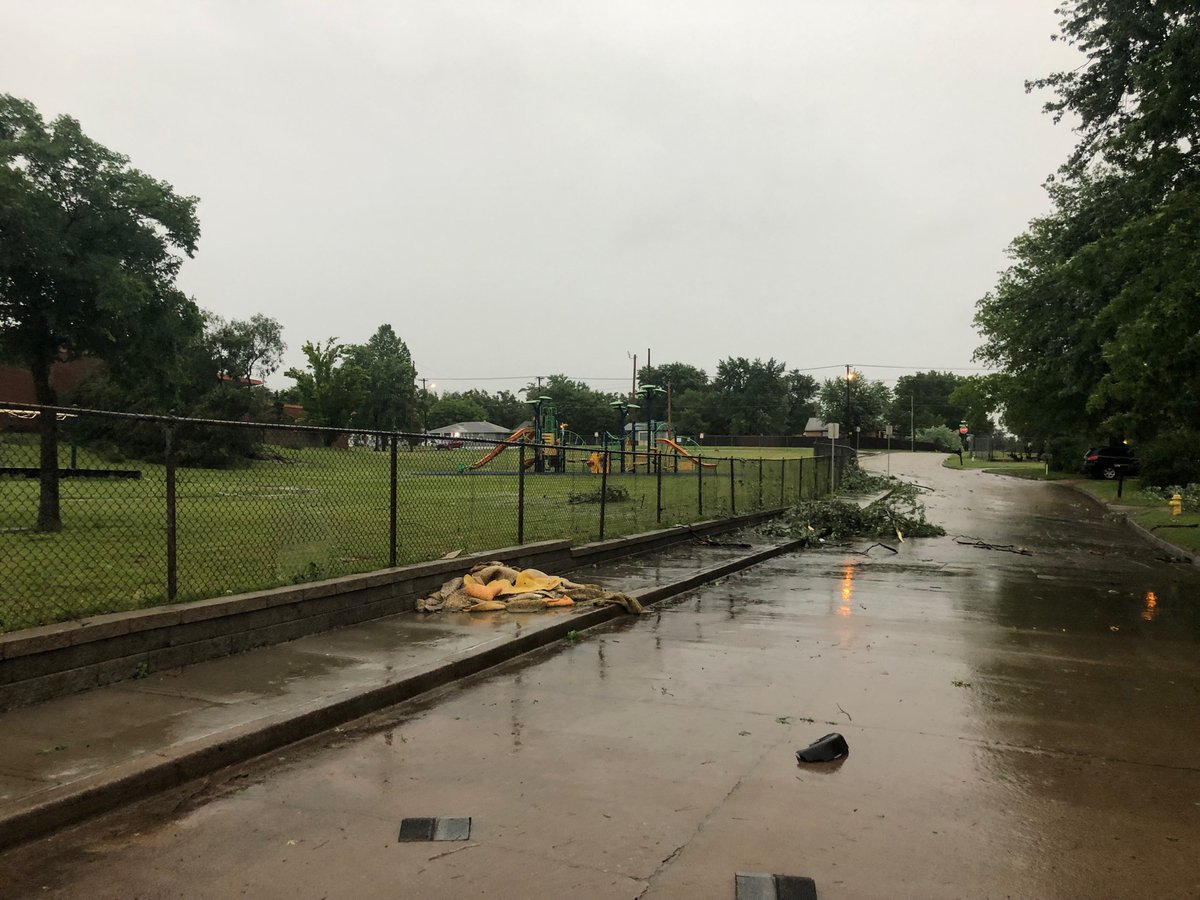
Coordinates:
(66,740)
(1020,725)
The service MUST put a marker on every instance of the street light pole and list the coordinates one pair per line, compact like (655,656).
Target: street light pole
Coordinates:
(849,417)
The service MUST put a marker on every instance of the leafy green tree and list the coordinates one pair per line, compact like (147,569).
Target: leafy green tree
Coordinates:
(89,251)
(241,349)
(679,376)
(329,389)
(868,402)
(583,409)
(502,408)
(691,411)
(1136,94)
(448,410)
(752,395)
(388,400)
(802,401)
(1094,320)
(975,400)
(924,398)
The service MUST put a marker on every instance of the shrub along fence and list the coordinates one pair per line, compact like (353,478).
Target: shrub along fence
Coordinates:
(299,504)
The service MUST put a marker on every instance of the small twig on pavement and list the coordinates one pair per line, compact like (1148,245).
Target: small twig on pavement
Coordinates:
(449,852)
(843,712)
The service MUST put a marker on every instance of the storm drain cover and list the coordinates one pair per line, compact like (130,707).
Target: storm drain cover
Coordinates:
(443,828)
(755,886)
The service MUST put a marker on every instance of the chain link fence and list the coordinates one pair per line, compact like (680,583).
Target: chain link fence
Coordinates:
(155,509)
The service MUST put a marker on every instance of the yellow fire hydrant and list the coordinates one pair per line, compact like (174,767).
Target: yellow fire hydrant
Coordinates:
(1176,504)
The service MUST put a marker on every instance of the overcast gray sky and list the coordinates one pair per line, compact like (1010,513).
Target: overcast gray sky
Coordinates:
(531,187)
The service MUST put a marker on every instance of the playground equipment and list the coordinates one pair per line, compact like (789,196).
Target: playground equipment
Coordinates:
(548,436)
(687,461)
(599,462)
(521,434)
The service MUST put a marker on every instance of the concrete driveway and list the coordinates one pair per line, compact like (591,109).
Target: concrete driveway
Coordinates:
(1019,726)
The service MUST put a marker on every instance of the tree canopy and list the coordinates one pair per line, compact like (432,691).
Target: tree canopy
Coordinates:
(1094,323)
(89,251)
(868,401)
(386,382)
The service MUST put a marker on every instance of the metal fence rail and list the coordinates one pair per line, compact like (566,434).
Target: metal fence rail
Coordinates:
(148,518)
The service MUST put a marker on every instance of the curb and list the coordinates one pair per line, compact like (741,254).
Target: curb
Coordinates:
(1177,552)
(1140,530)
(139,778)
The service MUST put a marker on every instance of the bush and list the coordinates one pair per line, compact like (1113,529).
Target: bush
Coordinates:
(1173,458)
(943,438)
(1065,452)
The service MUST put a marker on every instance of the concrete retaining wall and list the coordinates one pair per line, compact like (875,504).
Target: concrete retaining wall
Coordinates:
(40,663)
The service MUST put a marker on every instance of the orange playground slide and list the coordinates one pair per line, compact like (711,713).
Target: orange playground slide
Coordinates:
(499,448)
(682,452)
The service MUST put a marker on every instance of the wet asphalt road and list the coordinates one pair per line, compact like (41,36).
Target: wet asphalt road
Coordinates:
(1020,726)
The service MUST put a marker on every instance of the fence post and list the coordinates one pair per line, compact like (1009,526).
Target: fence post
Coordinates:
(658,502)
(732,491)
(782,482)
(172,554)
(603,497)
(699,488)
(392,504)
(521,497)
(759,504)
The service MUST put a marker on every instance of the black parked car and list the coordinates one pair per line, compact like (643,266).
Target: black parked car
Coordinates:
(1110,462)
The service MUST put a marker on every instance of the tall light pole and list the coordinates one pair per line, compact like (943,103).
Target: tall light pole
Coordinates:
(850,374)
(425,405)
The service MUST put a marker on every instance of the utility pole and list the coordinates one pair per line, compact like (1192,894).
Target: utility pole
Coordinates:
(849,418)
(912,435)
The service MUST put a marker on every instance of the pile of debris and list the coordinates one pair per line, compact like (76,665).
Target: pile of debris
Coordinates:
(898,512)
(493,586)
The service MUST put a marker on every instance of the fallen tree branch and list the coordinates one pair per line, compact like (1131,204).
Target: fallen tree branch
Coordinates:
(1003,548)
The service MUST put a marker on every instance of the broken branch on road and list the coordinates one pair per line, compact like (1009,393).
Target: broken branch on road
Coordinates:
(1003,548)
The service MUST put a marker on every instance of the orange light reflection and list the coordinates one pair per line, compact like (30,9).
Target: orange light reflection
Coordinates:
(847,590)
(1151,609)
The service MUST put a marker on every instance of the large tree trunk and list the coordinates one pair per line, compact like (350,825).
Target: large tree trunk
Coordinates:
(49,517)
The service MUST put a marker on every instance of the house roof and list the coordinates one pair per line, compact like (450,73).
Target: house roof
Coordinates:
(470,428)
(814,424)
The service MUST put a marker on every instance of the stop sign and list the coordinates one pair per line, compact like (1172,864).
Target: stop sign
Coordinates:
(962,429)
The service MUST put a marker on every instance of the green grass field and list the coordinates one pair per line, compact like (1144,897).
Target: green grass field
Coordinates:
(319,513)
(1031,469)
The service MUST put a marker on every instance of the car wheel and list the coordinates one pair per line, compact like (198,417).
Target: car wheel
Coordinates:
(1109,473)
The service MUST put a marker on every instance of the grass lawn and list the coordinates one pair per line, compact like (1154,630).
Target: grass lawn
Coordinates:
(319,513)
(1032,470)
